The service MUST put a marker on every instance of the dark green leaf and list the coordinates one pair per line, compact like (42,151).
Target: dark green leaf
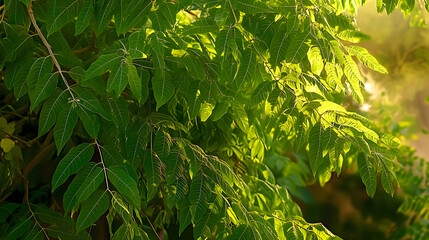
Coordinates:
(67,119)
(92,209)
(72,163)
(124,184)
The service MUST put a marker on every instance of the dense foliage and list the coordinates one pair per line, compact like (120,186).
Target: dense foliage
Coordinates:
(202,119)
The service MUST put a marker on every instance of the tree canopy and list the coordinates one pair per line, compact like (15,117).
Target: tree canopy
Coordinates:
(172,118)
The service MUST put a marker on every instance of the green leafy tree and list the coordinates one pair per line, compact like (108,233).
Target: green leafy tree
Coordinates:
(160,119)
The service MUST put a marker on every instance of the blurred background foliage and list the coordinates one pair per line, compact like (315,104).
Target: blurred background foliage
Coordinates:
(398,101)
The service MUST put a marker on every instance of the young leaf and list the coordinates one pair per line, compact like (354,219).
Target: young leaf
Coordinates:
(124,184)
(92,209)
(316,60)
(367,173)
(353,78)
(366,59)
(72,163)
(64,127)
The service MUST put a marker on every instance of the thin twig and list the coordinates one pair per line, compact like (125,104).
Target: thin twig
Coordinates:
(31,211)
(45,42)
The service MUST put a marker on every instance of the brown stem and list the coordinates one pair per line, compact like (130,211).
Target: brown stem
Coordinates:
(45,42)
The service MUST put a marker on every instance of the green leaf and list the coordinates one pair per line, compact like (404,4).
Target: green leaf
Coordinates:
(45,86)
(220,110)
(390,5)
(366,59)
(261,92)
(367,173)
(136,44)
(16,12)
(251,6)
(353,36)
(123,232)
(103,15)
(134,80)
(203,25)
(71,194)
(92,209)
(103,64)
(84,16)
(94,178)
(319,142)
(387,178)
(185,217)
(120,114)
(75,159)
(199,194)
(60,13)
(279,46)
(243,232)
(138,136)
(175,176)
(162,144)
(50,110)
(152,168)
(20,228)
(117,78)
(205,111)
(7,144)
(90,121)
(130,13)
(38,70)
(353,78)
(240,117)
(298,47)
(64,127)
(124,184)
(246,70)
(86,100)
(316,60)
(163,88)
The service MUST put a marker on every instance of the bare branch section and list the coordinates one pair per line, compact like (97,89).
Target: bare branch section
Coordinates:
(46,43)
